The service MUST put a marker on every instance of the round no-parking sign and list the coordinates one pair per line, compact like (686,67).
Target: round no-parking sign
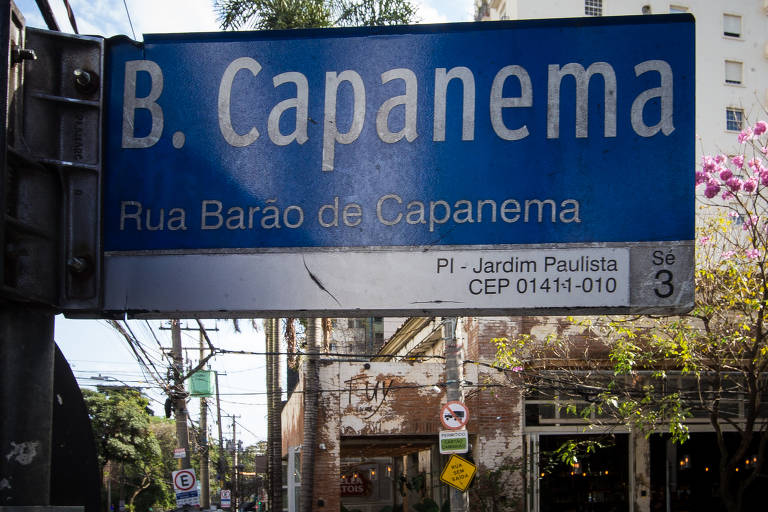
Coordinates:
(454,415)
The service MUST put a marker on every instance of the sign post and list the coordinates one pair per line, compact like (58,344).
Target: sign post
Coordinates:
(492,168)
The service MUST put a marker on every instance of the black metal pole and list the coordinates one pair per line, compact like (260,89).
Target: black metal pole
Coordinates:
(27,353)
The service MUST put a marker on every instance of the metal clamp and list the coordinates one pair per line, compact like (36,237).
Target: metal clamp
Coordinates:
(61,136)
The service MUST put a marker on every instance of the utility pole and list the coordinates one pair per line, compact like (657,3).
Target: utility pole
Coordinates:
(453,391)
(179,395)
(311,387)
(235,462)
(221,465)
(205,482)
(274,426)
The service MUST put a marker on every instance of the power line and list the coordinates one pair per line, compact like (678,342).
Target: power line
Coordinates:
(243,427)
(160,345)
(130,338)
(370,389)
(130,22)
(414,357)
(157,376)
(117,372)
(244,403)
(71,16)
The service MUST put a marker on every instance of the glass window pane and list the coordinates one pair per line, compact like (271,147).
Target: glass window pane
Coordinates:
(593,7)
(734,119)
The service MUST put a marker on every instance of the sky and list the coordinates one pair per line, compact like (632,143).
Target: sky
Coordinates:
(96,352)
(108,17)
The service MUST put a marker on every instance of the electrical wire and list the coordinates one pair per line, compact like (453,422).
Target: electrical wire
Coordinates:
(368,389)
(130,22)
(243,427)
(133,342)
(413,357)
(159,345)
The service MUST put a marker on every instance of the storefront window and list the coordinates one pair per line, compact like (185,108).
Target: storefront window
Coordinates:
(596,481)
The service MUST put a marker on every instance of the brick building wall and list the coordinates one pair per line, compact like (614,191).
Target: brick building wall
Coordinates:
(498,449)
(367,407)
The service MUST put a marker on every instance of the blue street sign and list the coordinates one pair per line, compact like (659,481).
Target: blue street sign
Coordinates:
(476,168)
(529,132)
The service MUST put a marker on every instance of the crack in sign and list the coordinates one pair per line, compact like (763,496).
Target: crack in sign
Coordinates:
(316,280)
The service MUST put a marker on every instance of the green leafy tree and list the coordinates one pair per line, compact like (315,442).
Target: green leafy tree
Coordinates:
(253,479)
(619,371)
(287,14)
(272,14)
(358,13)
(120,419)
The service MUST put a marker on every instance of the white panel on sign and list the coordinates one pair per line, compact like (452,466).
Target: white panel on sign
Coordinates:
(447,280)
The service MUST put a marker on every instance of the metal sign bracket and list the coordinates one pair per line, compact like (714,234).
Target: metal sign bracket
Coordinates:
(53,195)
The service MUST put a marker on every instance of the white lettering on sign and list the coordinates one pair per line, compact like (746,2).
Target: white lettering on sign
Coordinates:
(149,102)
(389,210)
(463,77)
(225,92)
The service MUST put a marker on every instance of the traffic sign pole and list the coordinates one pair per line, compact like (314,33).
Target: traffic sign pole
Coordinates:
(453,391)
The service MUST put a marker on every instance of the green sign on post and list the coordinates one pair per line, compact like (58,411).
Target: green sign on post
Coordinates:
(454,441)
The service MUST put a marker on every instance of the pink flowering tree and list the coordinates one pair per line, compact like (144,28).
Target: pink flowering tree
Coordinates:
(728,328)
(663,374)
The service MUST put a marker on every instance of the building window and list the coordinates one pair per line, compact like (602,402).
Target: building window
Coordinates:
(733,72)
(731,25)
(356,323)
(593,7)
(734,119)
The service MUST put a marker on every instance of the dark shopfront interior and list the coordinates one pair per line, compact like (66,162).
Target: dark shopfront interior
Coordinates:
(596,482)
(684,478)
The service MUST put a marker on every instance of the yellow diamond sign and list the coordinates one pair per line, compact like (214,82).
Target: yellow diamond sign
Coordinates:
(458,473)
